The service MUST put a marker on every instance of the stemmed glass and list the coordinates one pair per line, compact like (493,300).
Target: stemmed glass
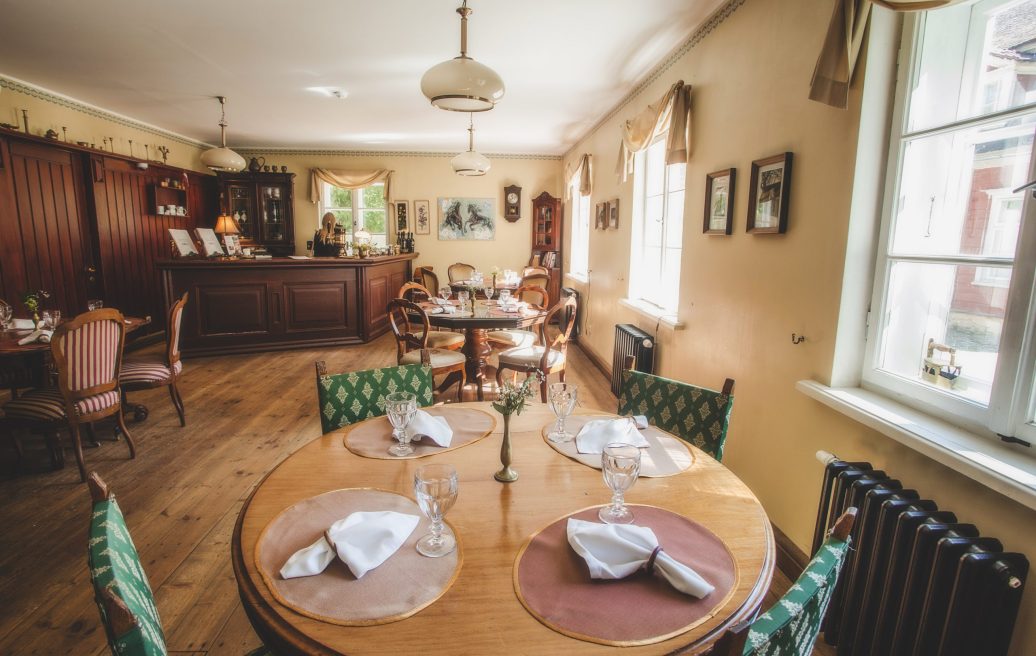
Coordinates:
(400,408)
(489,291)
(445,292)
(562,397)
(505,295)
(435,487)
(620,465)
(462,299)
(6,314)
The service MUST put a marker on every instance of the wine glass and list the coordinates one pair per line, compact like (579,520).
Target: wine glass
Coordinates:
(400,408)
(620,465)
(505,295)
(445,292)
(489,291)
(6,314)
(562,397)
(55,317)
(462,299)
(435,487)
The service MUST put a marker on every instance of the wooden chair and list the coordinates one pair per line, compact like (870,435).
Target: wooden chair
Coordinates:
(425,276)
(460,271)
(536,280)
(698,415)
(547,357)
(121,588)
(353,396)
(442,339)
(535,270)
(412,344)
(790,627)
(148,372)
(87,352)
(536,297)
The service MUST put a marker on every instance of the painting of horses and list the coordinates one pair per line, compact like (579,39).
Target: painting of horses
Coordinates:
(467,218)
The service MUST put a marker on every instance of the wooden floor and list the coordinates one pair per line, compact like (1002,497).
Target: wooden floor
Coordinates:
(181,496)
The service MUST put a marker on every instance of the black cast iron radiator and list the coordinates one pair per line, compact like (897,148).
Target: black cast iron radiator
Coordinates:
(631,341)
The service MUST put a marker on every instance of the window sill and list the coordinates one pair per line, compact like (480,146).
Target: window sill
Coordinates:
(653,312)
(1000,467)
(578,277)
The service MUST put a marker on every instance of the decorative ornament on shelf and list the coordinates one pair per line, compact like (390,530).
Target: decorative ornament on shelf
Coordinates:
(165,153)
(470,162)
(462,84)
(512,399)
(222,158)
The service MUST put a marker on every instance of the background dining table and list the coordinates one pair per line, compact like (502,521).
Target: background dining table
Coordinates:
(481,613)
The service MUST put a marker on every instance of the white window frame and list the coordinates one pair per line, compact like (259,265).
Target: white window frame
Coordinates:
(579,259)
(357,209)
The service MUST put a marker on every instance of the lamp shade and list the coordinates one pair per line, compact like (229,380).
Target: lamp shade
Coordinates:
(223,159)
(226,225)
(471,163)
(462,85)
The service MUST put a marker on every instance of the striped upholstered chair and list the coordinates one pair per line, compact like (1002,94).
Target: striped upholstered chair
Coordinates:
(88,354)
(147,372)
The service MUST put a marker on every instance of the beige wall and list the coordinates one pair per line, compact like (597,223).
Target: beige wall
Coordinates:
(742,296)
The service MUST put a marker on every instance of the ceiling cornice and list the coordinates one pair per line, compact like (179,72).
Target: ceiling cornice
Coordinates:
(272,151)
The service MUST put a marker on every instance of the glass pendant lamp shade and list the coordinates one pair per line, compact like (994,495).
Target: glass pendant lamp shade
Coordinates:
(470,162)
(462,84)
(223,158)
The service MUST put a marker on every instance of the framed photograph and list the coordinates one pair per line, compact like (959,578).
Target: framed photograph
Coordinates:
(719,202)
(467,218)
(402,216)
(422,217)
(183,245)
(233,244)
(613,214)
(769,195)
(601,216)
(209,242)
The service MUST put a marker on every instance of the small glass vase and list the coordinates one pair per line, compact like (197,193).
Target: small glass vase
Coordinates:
(506,474)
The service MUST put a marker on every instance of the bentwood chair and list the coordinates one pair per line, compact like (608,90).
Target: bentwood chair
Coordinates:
(536,297)
(425,276)
(460,271)
(353,396)
(411,328)
(546,358)
(790,627)
(121,588)
(140,373)
(536,280)
(413,291)
(534,270)
(695,414)
(87,352)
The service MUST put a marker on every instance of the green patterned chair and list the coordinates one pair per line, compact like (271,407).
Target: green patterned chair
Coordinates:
(121,587)
(695,414)
(353,396)
(790,627)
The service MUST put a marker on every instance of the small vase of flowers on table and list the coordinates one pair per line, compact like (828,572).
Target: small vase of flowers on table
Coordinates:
(33,301)
(512,399)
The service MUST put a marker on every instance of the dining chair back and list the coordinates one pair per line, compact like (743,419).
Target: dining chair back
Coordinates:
(695,414)
(415,291)
(533,294)
(427,277)
(412,330)
(409,324)
(173,327)
(536,297)
(535,270)
(536,280)
(550,355)
(144,372)
(460,271)
(353,396)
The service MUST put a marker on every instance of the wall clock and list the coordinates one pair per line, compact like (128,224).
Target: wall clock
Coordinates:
(512,203)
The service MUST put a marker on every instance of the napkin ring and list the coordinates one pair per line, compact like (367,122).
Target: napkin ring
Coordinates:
(650,564)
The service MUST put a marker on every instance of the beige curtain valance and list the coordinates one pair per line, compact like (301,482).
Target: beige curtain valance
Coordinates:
(837,62)
(672,112)
(585,170)
(348,180)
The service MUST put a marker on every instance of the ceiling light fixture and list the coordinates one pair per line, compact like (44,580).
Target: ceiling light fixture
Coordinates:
(470,162)
(462,84)
(222,158)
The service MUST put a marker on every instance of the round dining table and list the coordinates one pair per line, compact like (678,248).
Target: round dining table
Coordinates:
(481,613)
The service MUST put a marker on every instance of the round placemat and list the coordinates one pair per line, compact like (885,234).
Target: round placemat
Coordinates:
(372,438)
(666,455)
(398,588)
(553,583)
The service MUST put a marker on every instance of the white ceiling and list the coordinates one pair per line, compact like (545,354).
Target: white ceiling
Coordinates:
(564,62)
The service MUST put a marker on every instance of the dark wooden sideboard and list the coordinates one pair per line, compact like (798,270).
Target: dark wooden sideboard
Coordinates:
(246,306)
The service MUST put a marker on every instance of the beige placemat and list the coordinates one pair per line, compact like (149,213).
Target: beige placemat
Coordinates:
(372,438)
(666,455)
(398,588)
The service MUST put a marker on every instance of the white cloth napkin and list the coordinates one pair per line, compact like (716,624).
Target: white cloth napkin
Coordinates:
(614,551)
(42,336)
(437,429)
(449,309)
(23,324)
(599,433)
(363,540)
(641,421)
(438,301)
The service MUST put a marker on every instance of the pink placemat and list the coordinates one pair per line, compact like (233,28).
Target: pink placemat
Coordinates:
(554,584)
(372,438)
(666,455)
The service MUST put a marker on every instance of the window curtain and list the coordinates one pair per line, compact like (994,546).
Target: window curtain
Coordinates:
(584,169)
(837,62)
(672,112)
(348,180)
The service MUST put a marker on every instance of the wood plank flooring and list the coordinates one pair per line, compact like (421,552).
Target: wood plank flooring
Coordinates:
(181,496)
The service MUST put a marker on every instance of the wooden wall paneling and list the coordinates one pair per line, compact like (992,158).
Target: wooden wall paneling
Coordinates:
(12,264)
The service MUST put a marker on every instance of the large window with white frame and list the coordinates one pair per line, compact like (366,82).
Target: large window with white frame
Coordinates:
(953,314)
(657,236)
(357,210)
(579,262)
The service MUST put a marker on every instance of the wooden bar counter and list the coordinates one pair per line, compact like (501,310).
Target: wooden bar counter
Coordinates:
(247,306)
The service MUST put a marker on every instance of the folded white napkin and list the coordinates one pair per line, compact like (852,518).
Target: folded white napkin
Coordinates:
(614,551)
(641,422)
(599,433)
(438,301)
(42,336)
(437,429)
(449,309)
(23,324)
(363,540)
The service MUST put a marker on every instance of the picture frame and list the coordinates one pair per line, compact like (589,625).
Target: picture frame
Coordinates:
(719,202)
(233,245)
(601,216)
(462,218)
(613,214)
(210,245)
(769,195)
(183,245)
(402,216)
(422,217)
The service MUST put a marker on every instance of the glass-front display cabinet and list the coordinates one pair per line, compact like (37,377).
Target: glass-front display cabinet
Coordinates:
(263,206)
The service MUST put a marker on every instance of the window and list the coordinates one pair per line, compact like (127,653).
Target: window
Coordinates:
(357,209)
(953,300)
(579,262)
(657,238)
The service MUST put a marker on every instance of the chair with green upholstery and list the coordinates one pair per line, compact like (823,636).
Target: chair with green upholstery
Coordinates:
(353,396)
(695,414)
(791,626)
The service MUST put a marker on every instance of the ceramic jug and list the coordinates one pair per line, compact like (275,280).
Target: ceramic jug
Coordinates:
(256,164)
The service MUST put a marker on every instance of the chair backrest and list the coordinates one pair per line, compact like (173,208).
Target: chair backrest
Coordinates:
(415,291)
(173,331)
(409,324)
(88,353)
(460,271)
(533,294)
(353,396)
(533,270)
(427,277)
(121,588)
(536,280)
(567,309)
(698,415)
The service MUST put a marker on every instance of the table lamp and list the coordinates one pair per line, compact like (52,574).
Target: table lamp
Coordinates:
(226,225)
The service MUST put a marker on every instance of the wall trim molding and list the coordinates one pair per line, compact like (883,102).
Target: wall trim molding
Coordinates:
(275,150)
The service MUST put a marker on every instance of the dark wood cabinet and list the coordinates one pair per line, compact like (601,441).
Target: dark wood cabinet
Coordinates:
(263,206)
(547,231)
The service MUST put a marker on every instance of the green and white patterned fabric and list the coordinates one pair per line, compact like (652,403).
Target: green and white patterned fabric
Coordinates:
(357,395)
(695,414)
(115,565)
(790,627)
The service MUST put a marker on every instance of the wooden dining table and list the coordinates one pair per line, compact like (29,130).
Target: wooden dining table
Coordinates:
(480,613)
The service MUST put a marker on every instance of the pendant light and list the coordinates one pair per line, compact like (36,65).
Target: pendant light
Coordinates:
(462,84)
(470,162)
(223,158)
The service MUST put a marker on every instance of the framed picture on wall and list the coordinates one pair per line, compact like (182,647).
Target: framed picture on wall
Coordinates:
(402,216)
(719,202)
(601,216)
(422,217)
(613,214)
(769,195)
(467,218)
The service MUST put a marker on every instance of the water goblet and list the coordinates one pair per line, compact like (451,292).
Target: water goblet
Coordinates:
(444,293)
(462,298)
(46,320)
(55,316)
(505,295)
(620,465)
(6,314)
(563,398)
(435,487)
(489,291)
(400,408)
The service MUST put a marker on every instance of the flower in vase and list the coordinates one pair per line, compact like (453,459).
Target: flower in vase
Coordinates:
(513,398)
